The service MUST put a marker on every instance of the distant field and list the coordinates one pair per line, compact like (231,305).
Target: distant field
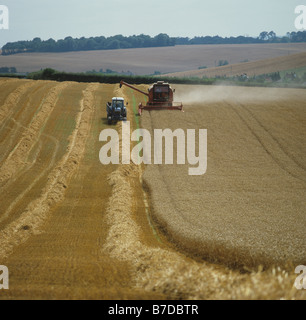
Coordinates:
(148,60)
(250,68)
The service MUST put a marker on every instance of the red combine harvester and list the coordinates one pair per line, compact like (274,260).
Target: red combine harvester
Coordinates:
(160,97)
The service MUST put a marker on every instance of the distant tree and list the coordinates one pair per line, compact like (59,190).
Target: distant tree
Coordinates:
(36,40)
(223,63)
(69,44)
(48,73)
(275,76)
(263,35)
(285,40)
(113,44)
(271,35)
(8,70)
(4,70)
(109,71)
(49,45)
(91,44)
(146,41)
(162,40)
(182,41)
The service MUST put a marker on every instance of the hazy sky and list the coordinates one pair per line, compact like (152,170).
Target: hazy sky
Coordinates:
(60,18)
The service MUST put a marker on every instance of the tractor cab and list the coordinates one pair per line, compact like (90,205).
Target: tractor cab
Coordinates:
(116,110)
(117,103)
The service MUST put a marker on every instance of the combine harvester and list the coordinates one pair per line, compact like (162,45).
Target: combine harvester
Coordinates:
(160,97)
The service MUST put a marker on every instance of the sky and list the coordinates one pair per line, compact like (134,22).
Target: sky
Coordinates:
(58,19)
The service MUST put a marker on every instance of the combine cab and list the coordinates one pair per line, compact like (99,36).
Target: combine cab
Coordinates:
(160,97)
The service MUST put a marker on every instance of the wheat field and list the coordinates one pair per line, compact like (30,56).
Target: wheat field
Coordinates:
(249,208)
(71,228)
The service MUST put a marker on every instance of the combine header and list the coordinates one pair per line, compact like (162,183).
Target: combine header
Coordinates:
(160,97)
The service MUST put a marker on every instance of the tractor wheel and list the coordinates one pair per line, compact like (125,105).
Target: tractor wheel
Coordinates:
(109,120)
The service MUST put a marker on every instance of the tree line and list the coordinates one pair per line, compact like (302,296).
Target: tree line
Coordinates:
(8,70)
(264,37)
(140,41)
(87,44)
(51,74)
(266,80)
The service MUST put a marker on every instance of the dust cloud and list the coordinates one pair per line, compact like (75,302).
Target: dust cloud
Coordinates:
(213,94)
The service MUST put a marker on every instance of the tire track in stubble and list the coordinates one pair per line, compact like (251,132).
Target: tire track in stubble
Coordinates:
(16,160)
(11,101)
(26,112)
(5,215)
(32,219)
(19,127)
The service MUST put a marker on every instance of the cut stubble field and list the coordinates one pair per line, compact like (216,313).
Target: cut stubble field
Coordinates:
(253,68)
(71,228)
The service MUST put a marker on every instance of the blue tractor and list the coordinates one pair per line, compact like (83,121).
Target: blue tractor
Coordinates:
(116,110)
